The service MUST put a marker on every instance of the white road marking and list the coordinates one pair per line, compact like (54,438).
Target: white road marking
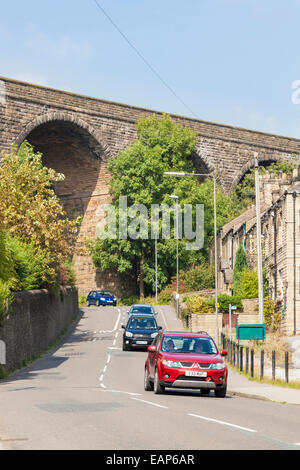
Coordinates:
(121,391)
(222,422)
(101,378)
(164,318)
(118,319)
(149,403)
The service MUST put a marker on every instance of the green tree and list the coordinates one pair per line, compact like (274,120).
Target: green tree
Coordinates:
(29,207)
(239,265)
(138,173)
(36,237)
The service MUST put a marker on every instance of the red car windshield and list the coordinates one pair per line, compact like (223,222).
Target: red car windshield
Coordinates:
(188,344)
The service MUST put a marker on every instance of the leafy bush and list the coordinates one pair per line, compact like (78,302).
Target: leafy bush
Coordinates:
(240,265)
(81,300)
(33,266)
(5,297)
(127,301)
(272,316)
(225,300)
(164,297)
(247,284)
(198,304)
(67,276)
(29,207)
(200,277)
(7,269)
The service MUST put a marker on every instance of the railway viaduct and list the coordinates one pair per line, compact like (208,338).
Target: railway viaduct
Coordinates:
(78,135)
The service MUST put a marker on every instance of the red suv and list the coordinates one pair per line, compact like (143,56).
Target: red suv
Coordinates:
(185,360)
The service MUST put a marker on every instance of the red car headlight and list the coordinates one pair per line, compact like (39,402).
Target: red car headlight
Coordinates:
(218,366)
(167,363)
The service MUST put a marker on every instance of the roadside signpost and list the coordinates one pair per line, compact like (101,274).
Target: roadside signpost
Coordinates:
(251,331)
(231,307)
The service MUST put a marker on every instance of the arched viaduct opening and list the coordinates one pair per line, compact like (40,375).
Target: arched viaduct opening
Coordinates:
(74,149)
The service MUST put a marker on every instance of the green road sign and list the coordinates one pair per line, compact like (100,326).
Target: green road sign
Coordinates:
(255,331)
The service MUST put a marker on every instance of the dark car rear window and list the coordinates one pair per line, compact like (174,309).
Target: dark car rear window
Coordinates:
(141,309)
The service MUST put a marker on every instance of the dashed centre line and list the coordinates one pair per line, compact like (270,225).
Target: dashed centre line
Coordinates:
(149,403)
(222,422)
(101,378)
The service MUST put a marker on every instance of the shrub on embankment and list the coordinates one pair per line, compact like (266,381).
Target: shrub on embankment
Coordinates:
(36,237)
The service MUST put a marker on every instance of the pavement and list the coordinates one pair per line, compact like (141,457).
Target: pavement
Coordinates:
(239,385)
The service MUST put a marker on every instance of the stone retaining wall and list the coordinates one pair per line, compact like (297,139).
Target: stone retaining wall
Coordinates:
(35,321)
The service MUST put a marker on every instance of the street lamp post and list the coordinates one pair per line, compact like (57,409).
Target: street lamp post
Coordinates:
(259,251)
(156,293)
(181,174)
(177,253)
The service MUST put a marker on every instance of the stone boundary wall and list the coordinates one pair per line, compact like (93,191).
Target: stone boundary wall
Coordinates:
(207,322)
(35,321)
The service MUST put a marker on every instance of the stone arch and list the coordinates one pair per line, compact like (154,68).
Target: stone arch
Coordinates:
(202,163)
(74,148)
(202,156)
(65,117)
(263,158)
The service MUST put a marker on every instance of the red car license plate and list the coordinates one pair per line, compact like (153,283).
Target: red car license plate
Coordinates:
(193,373)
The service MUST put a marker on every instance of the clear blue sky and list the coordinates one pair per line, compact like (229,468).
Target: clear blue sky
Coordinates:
(230,61)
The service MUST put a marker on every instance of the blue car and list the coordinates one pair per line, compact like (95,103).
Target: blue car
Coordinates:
(100,297)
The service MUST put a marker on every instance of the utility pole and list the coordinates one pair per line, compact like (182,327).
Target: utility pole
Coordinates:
(156,290)
(216,259)
(177,252)
(258,242)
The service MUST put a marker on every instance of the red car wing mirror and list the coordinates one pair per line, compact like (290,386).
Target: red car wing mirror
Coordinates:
(223,352)
(151,349)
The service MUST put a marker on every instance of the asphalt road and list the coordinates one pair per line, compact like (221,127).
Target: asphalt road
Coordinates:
(88,394)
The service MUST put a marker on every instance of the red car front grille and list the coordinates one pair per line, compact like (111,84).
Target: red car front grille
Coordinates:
(202,365)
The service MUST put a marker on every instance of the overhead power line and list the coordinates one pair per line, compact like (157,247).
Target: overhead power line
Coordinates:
(144,60)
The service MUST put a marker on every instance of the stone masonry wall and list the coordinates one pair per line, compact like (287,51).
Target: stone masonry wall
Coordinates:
(225,148)
(35,321)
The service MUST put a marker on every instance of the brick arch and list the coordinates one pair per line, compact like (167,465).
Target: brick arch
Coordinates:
(201,155)
(250,164)
(65,117)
